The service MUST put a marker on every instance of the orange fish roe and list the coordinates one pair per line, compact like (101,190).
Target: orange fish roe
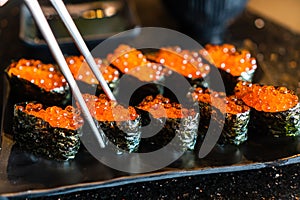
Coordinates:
(162,107)
(266,98)
(81,70)
(233,106)
(68,118)
(126,58)
(103,109)
(45,76)
(226,57)
(149,72)
(185,62)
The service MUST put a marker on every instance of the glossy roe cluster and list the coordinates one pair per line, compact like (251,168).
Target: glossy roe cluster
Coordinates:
(226,57)
(81,70)
(132,61)
(266,98)
(126,58)
(184,62)
(220,101)
(162,107)
(149,72)
(68,118)
(103,109)
(45,76)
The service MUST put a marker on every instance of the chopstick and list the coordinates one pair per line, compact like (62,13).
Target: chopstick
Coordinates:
(70,25)
(2,2)
(47,33)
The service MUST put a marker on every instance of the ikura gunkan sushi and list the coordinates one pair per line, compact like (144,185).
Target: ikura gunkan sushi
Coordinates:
(121,125)
(138,74)
(126,58)
(133,62)
(237,115)
(174,120)
(36,81)
(185,62)
(53,133)
(274,110)
(83,73)
(233,65)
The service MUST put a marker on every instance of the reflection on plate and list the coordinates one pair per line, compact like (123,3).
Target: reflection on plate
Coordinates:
(86,172)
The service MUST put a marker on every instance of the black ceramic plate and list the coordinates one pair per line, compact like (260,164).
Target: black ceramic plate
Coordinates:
(22,174)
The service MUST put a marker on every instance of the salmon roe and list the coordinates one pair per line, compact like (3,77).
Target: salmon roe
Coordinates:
(226,57)
(126,58)
(149,72)
(81,70)
(131,61)
(45,76)
(266,98)
(185,62)
(232,104)
(103,109)
(162,107)
(68,118)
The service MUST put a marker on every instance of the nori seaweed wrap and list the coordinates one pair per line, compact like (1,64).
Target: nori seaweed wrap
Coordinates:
(274,110)
(85,77)
(53,132)
(140,77)
(32,80)
(122,126)
(233,65)
(237,115)
(173,121)
(184,62)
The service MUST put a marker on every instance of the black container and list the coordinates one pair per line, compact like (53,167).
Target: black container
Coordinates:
(206,19)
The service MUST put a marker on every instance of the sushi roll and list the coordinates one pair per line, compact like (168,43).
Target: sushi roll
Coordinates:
(233,65)
(140,76)
(32,80)
(53,133)
(184,62)
(121,125)
(237,115)
(274,110)
(174,121)
(126,58)
(86,78)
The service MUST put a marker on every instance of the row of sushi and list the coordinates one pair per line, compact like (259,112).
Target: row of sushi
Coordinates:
(54,132)
(44,82)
